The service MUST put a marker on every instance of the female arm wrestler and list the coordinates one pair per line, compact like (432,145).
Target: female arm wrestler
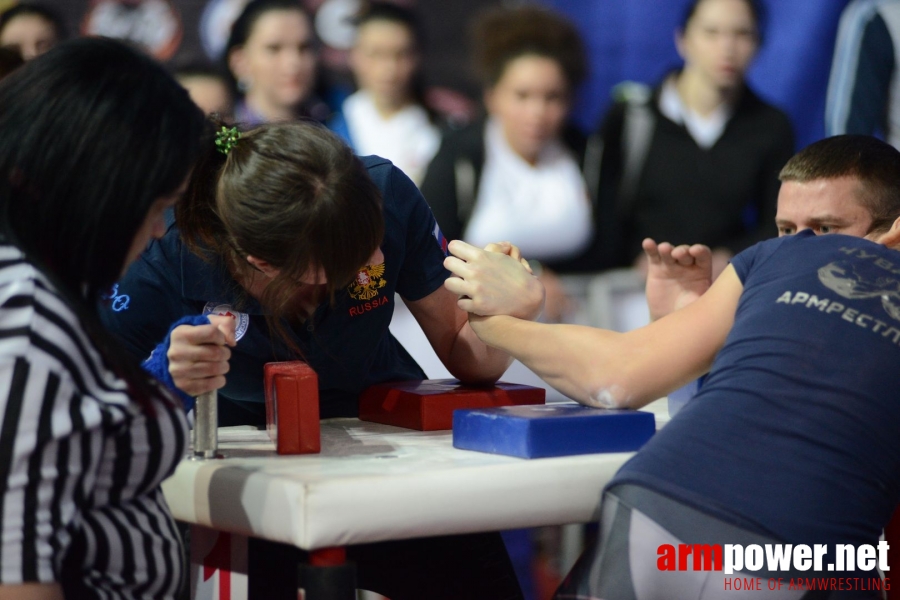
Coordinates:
(304,245)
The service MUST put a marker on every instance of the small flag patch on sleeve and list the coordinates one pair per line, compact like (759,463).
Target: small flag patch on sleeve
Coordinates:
(441,240)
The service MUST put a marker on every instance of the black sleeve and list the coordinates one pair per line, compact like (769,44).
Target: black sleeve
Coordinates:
(612,224)
(768,185)
(600,253)
(439,189)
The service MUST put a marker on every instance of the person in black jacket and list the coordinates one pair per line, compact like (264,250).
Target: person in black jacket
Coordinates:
(521,173)
(697,159)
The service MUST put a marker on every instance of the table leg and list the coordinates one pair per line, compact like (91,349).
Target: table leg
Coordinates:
(277,571)
(328,576)
(272,570)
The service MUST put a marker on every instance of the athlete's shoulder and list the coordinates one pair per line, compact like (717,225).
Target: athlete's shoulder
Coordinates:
(377,166)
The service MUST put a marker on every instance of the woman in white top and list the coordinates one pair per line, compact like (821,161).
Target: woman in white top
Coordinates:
(517,175)
(387,115)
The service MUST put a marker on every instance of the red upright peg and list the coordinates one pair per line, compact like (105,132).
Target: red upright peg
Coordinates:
(292,407)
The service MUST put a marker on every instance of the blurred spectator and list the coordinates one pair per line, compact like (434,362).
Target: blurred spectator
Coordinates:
(30,28)
(696,160)
(863,96)
(387,115)
(10,60)
(209,89)
(271,54)
(516,175)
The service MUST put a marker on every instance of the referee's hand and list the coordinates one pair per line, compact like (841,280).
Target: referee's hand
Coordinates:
(198,355)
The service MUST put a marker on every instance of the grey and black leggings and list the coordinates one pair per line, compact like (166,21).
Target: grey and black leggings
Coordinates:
(622,565)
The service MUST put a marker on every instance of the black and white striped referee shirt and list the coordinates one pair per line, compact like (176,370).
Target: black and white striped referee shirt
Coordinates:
(80,463)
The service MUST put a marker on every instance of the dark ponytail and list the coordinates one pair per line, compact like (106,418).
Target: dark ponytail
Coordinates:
(198,221)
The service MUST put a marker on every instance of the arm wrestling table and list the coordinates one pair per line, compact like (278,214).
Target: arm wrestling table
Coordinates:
(370,483)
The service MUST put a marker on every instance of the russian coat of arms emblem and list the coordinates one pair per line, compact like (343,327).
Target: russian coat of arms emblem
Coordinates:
(368,281)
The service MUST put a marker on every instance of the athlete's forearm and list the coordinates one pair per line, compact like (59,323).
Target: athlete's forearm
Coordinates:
(585,364)
(473,361)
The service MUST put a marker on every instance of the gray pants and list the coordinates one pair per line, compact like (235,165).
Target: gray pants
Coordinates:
(622,565)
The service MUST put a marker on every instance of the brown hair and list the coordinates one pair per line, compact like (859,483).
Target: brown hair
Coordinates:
(291,194)
(875,164)
(503,35)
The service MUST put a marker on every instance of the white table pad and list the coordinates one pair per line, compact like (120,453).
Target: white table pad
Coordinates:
(375,482)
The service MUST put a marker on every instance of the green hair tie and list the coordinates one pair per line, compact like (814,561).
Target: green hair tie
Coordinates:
(226,139)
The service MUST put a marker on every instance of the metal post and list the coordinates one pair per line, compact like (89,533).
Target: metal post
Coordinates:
(206,426)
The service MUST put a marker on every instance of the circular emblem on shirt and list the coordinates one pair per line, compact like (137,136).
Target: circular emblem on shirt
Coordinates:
(242,320)
(152,24)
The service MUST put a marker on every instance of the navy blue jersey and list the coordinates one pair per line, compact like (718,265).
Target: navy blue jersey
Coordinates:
(347,344)
(795,431)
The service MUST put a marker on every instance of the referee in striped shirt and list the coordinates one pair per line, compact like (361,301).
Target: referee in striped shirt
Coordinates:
(96,141)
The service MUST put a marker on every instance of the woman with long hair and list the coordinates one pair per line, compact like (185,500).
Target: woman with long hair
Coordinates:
(305,245)
(523,164)
(96,142)
(522,173)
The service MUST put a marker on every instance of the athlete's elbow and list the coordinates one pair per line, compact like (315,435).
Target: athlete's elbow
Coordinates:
(606,396)
(479,373)
(618,392)
(476,379)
